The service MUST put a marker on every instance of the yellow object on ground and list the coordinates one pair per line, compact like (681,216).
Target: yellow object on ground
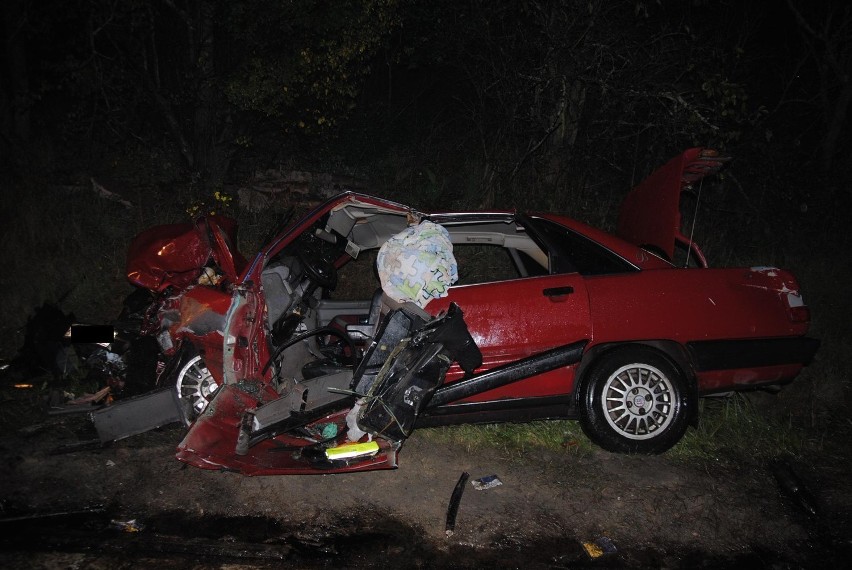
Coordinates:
(348,450)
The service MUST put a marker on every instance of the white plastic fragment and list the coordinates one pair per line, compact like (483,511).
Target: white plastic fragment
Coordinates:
(354,433)
(486,482)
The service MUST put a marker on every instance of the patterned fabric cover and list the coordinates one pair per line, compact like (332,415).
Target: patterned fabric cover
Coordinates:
(417,264)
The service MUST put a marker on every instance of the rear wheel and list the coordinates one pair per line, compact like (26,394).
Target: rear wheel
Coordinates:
(634,400)
(195,386)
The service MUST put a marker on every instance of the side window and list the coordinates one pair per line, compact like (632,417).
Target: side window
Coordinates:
(530,265)
(574,252)
(481,263)
(357,279)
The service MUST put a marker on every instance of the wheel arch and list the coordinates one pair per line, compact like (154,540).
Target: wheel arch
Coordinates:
(673,351)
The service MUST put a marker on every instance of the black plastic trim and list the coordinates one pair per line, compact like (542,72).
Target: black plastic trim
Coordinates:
(751,353)
(508,410)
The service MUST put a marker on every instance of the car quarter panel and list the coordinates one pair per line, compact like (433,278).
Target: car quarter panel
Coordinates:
(715,313)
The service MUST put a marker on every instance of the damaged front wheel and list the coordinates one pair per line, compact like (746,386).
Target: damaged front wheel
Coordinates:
(195,386)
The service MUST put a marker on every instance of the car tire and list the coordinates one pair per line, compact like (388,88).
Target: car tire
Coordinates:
(195,385)
(635,400)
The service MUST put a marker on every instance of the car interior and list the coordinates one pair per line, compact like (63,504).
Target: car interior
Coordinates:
(320,327)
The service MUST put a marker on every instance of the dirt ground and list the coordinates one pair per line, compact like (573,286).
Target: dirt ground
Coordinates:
(132,505)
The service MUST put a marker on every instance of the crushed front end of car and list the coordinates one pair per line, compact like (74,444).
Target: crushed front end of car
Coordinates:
(340,421)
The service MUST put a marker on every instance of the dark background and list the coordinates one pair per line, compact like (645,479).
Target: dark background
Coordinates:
(172,106)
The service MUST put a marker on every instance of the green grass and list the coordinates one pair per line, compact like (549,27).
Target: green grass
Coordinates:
(514,439)
(730,429)
(736,429)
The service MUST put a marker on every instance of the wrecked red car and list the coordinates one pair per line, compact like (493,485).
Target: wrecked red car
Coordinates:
(307,361)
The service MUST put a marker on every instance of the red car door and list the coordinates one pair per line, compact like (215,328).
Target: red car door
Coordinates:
(513,319)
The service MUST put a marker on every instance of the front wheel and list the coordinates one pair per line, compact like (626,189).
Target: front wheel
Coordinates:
(195,386)
(634,400)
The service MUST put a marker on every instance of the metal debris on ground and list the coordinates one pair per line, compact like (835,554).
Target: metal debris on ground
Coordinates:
(130,525)
(486,482)
(601,546)
(455,500)
(137,415)
(91,398)
(792,486)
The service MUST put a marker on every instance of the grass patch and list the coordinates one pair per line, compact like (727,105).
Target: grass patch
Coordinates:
(514,439)
(730,430)
(736,429)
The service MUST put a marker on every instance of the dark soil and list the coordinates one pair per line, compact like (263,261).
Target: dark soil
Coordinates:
(132,505)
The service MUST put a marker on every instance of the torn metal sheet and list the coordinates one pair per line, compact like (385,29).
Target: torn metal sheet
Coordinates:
(137,415)
(252,428)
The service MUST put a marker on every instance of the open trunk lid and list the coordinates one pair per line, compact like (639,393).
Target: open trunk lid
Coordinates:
(650,214)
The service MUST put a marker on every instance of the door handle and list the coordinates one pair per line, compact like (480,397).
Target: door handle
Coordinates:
(558,291)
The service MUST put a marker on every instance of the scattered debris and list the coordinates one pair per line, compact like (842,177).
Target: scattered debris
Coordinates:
(486,482)
(792,486)
(601,546)
(91,398)
(455,500)
(130,525)
(329,431)
(137,415)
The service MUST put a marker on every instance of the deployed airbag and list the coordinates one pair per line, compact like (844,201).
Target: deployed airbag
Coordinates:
(417,264)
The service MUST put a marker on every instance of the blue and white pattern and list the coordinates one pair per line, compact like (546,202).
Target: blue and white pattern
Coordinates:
(417,264)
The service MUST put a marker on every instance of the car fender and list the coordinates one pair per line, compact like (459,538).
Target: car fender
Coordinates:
(674,351)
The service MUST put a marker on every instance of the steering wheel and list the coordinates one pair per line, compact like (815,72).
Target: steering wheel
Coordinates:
(318,267)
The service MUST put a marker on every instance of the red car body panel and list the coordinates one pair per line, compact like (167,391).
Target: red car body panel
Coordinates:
(171,255)
(657,199)
(702,304)
(505,332)
(210,443)
(724,328)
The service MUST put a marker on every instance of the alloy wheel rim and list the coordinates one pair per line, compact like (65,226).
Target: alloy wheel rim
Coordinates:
(196,385)
(638,401)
